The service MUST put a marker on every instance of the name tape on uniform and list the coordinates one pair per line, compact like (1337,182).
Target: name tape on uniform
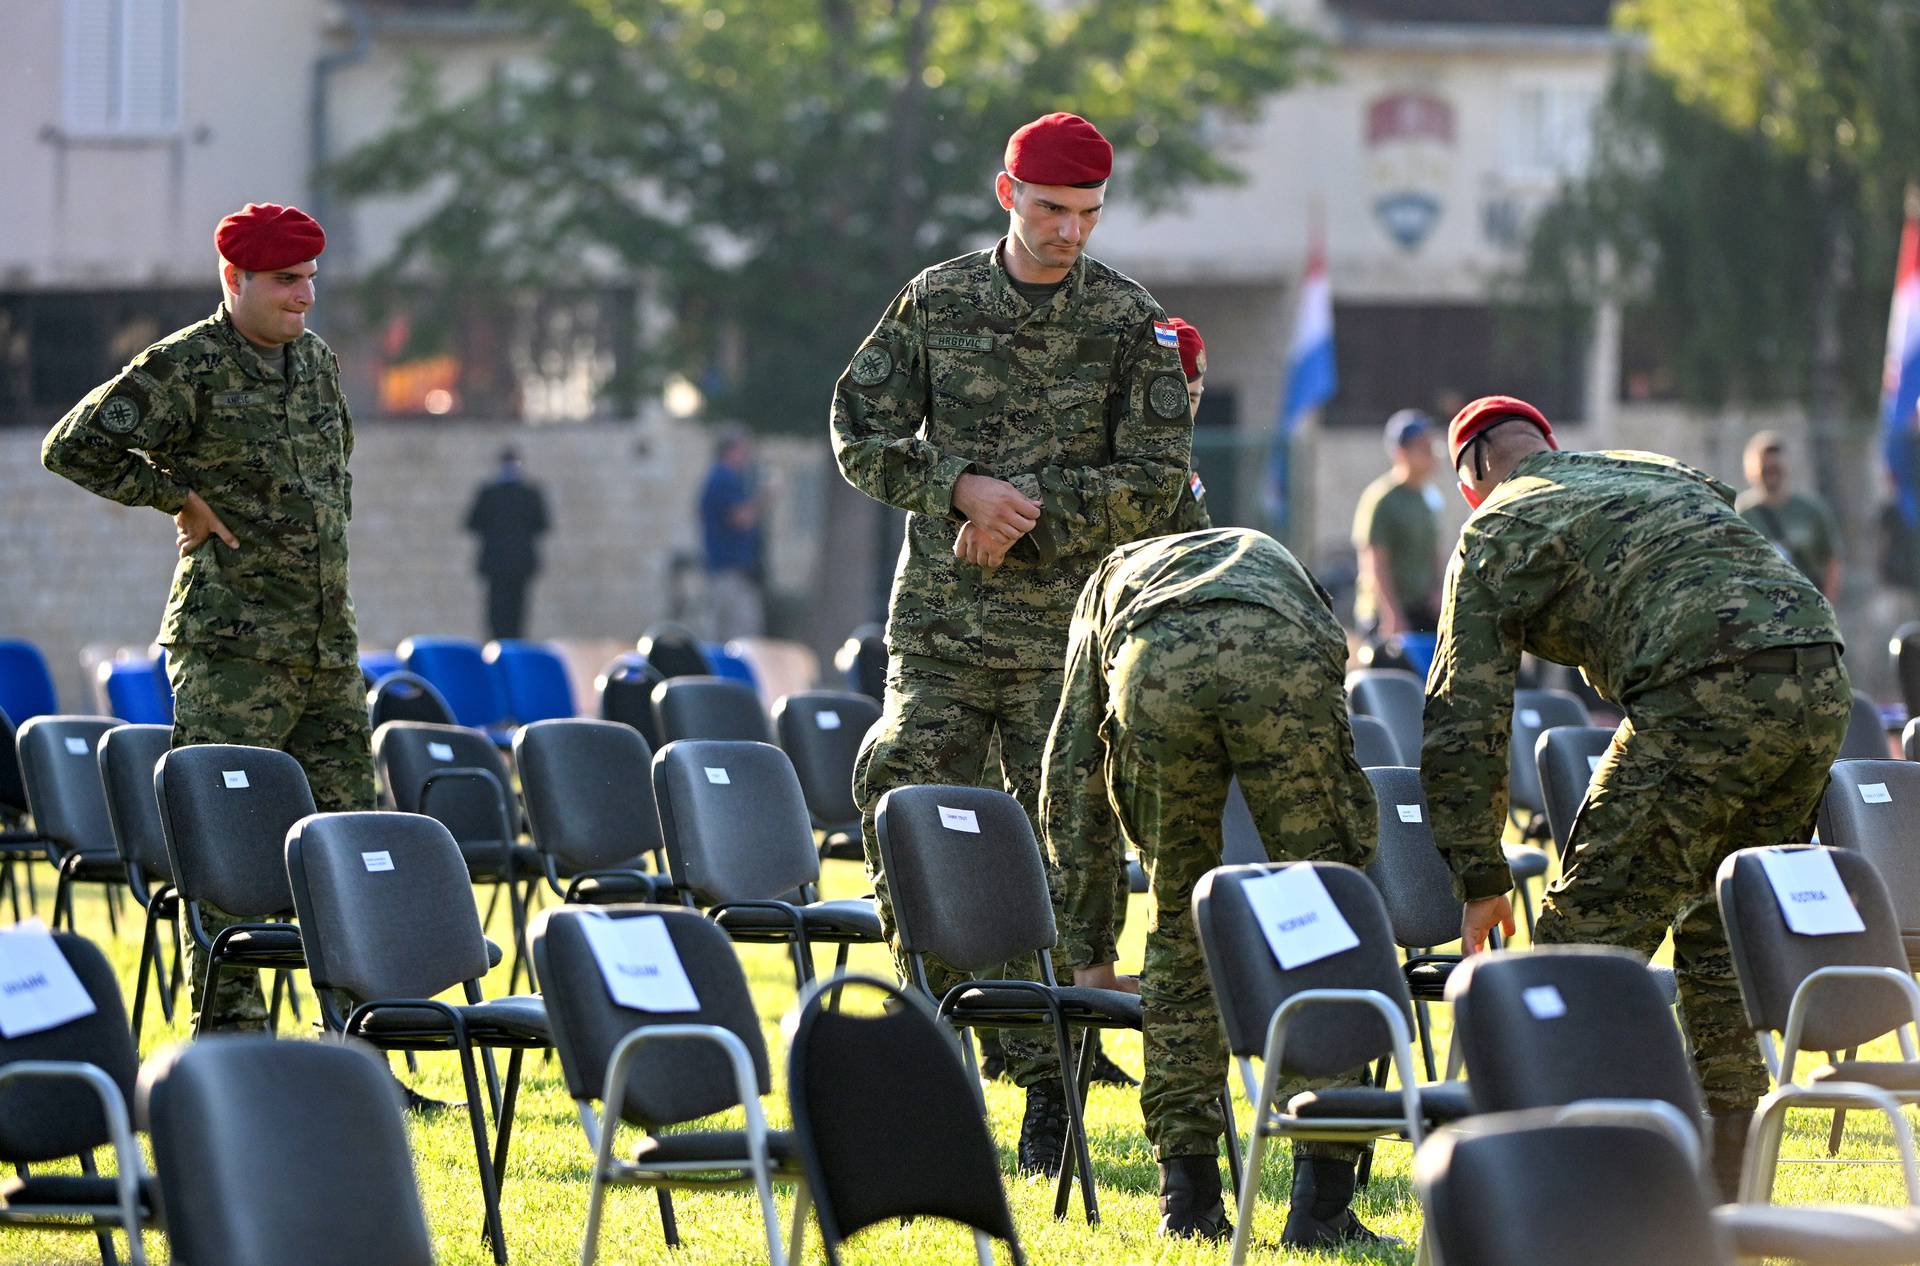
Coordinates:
(827,720)
(234,778)
(77,746)
(960,820)
(639,964)
(1544,1002)
(1530,716)
(1297,914)
(440,751)
(38,987)
(1875,793)
(1812,899)
(717,776)
(376,862)
(1408,812)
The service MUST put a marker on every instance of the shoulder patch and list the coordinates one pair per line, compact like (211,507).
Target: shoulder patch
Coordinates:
(119,414)
(1167,397)
(872,365)
(1165,334)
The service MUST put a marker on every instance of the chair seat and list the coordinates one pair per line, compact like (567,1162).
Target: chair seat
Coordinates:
(45,1193)
(626,885)
(1856,1235)
(841,842)
(277,946)
(515,1021)
(1895,1075)
(483,859)
(857,919)
(1104,1008)
(1440,1103)
(1427,981)
(1525,861)
(720,1147)
(94,868)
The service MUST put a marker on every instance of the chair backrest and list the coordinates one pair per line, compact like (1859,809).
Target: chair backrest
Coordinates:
(225,812)
(375,665)
(287,1152)
(535,678)
(1373,742)
(1557,1025)
(1623,1193)
(1910,740)
(671,1081)
(1398,698)
(1772,961)
(722,662)
(820,731)
(626,695)
(1565,757)
(13,787)
(853,1078)
(965,874)
(1407,865)
(26,684)
(135,690)
(1869,807)
(461,673)
(1249,984)
(589,792)
(709,708)
(862,660)
(405,696)
(411,752)
(1534,713)
(1866,737)
(60,765)
(128,756)
(385,904)
(734,821)
(1240,842)
(673,652)
(43,1120)
(1906,664)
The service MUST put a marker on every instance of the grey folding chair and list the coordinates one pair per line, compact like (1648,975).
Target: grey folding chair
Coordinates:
(385,902)
(405,696)
(1870,808)
(20,843)
(820,731)
(673,651)
(282,1154)
(1320,1019)
(713,708)
(1866,737)
(128,756)
(1566,758)
(224,813)
(65,1092)
(852,1079)
(740,846)
(625,689)
(1373,742)
(588,787)
(1534,713)
(1397,698)
(60,766)
(654,1070)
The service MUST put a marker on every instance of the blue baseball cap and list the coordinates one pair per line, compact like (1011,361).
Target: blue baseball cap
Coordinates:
(1408,425)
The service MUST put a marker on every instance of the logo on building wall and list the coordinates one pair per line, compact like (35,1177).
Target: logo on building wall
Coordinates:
(1409,155)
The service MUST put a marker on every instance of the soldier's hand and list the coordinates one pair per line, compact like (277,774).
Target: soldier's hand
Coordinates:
(195,523)
(996,507)
(1477,919)
(976,547)
(1101,976)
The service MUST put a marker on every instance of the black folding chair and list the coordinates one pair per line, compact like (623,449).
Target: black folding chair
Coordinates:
(1373,742)
(589,792)
(19,841)
(657,1069)
(625,687)
(1397,698)
(853,1078)
(292,1153)
(1566,758)
(405,696)
(862,661)
(1866,737)
(60,766)
(713,708)
(390,924)
(1869,808)
(820,731)
(129,754)
(64,1092)
(1534,713)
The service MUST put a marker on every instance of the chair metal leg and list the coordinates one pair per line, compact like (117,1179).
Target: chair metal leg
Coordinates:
(113,917)
(489,1190)
(493,1080)
(1250,1181)
(669,1225)
(1424,1022)
(206,996)
(273,1007)
(1231,1138)
(1075,1084)
(1526,905)
(797,1242)
(102,1236)
(517,910)
(10,884)
(148,949)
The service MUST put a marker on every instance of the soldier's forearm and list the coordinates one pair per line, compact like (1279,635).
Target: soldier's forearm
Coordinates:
(131,479)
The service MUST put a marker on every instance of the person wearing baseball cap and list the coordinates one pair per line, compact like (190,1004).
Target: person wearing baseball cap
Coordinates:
(1725,660)
(1396,536)
(236,426)
(1025,406)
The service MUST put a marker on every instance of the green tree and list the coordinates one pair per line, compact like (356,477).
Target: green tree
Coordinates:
(776,169)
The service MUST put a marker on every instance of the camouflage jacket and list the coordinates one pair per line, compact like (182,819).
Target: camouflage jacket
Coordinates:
(202,411)
(1631,566)
(1077,402)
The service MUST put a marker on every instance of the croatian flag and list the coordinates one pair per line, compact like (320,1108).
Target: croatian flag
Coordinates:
(1901,385)
(1311,380)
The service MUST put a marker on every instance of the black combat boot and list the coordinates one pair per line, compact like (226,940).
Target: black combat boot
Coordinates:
(1043,1132)
(1729,1152)
(1104,1071)
(1318,1214)
(1190,1203)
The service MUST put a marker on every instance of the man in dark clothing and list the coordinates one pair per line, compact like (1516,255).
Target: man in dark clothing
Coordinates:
(508,514)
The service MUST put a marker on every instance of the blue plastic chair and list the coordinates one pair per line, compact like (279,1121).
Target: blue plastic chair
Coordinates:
(725,663)
(377,664)
(462,675)
(26,685)
(137,691)
(535,678)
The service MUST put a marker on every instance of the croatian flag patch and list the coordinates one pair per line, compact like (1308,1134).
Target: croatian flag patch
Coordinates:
(1193,482)
(1164,335)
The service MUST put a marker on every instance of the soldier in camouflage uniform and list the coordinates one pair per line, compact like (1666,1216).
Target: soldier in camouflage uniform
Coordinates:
(1194,659)
(1725,659)
(237,427)
(1025,405)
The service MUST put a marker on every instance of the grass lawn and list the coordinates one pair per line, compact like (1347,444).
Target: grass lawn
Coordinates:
(546,1189)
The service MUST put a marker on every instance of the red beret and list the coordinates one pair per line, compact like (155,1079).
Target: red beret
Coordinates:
(1059,149)
(1490,411)
(1193,352)
(263,236)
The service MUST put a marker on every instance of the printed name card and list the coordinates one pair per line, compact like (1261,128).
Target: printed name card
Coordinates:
(1297,914)
(960,820)
(234,778)
(1812,899)
(1544,1002)
(639,964)
(718,777)
(1875,793)
(1530,716)
(1408,812)
(827,720)
(77,746)
(440,751)
(376,862)
(38,987)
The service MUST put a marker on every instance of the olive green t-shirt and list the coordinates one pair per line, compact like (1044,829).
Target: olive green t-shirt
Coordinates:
(1799,527)
(1397,517)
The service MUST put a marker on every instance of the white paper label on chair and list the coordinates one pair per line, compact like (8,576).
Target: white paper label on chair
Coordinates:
(1409,812)
(1593,765)
(440,751)
(827,720)
(1530,716)
(234,777)
(1875,793)
(78,746)
(639,964)
(38,987)
(1297,913)
(1544,1002)
(376,862)
(1812,899)
(959,820)
(717,776)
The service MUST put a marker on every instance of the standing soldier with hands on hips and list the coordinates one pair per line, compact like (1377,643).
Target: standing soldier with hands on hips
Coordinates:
(1025,404)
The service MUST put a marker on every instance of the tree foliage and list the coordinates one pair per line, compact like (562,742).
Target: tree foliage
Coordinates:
(776,169)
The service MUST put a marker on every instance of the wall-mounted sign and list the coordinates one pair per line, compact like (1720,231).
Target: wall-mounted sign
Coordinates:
(1410,137)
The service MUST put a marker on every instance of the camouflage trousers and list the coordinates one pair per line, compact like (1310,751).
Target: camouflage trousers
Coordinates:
(1724,760)
(936,726)
(1200,695)
(316,715)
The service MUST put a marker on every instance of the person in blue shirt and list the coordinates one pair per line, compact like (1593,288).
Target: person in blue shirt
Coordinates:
(731,505)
